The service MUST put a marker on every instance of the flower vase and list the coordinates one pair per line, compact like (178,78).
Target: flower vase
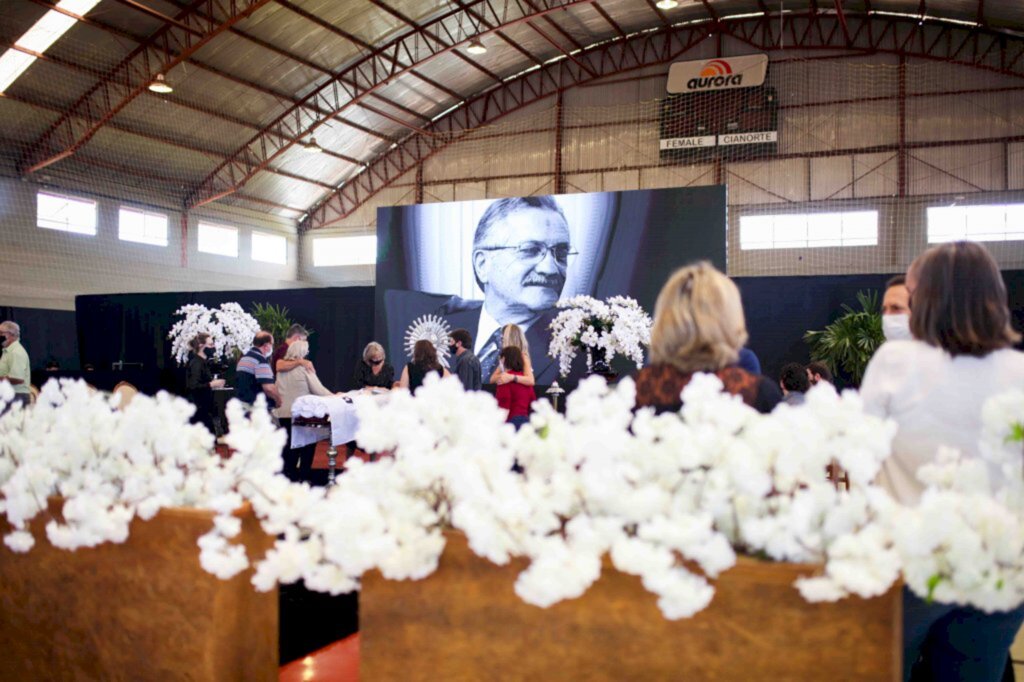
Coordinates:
(597,364)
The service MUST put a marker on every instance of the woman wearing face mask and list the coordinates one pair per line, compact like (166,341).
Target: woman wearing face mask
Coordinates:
(372,371)
(896,310)
(934,387)
(199,381)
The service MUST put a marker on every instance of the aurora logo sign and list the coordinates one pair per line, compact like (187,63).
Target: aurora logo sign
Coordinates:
(717,74)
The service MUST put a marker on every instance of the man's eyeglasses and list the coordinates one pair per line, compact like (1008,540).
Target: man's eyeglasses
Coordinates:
(536,251)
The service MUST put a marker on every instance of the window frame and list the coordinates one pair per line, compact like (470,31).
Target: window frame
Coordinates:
(801,236)
(268,235)
(70,198)
(340,263)
(145,214)
(969,232)
(216,226)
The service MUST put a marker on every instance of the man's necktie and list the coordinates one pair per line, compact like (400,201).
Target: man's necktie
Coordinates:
(489,355)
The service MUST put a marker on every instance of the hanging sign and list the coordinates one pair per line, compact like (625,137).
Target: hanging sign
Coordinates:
(721,73)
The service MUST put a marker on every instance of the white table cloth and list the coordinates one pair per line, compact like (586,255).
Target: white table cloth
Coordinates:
(340,410)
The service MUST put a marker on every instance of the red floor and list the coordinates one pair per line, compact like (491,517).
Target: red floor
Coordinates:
(338,662)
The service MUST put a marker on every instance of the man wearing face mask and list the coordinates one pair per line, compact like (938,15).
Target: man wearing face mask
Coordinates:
(464,364)
(896,310)
(254,374)
(199,381)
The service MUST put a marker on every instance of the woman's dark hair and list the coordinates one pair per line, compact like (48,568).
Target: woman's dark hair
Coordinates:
(959,301)
(198,341)
(513,359)
(424,356)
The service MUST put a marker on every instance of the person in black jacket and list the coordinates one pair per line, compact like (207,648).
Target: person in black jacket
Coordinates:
(373,370)
(199,381)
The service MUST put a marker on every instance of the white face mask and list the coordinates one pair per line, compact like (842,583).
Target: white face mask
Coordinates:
(896,327)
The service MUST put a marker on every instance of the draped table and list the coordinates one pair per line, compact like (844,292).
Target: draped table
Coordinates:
(332,418)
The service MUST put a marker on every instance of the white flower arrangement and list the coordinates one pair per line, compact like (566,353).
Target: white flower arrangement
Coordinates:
(112,464)
(231,328)
(669,497)
(618,326)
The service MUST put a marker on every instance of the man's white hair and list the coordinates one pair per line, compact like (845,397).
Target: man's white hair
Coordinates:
(11,328)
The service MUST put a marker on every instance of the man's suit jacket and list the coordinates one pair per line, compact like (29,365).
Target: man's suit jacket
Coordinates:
(402,307)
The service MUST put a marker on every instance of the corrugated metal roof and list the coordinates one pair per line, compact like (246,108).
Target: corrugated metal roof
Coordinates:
(247,77)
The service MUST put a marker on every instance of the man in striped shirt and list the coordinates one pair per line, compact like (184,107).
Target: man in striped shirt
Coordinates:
(253,373)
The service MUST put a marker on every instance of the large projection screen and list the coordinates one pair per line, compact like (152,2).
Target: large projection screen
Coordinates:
(480,264)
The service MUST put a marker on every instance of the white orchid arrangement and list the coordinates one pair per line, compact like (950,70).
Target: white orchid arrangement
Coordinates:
(618,326)
(111,464)
(669,497)
(230,327)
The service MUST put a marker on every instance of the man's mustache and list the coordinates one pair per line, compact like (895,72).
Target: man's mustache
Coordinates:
(550,281)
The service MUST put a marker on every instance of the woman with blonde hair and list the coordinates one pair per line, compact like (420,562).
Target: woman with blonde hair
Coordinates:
(373,370)
(699,327)
(512,336)
(292,384)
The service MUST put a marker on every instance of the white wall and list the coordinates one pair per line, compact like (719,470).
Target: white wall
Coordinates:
(42,268)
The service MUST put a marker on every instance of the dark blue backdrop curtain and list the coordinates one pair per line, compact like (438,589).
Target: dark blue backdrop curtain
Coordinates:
(46,334)
(133,327)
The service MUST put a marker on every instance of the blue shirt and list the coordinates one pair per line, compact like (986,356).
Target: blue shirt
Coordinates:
(251,373)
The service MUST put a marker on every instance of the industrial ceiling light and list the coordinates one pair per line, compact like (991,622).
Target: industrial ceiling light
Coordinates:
(160,85)
(666,4)
(476,47)
(312,147)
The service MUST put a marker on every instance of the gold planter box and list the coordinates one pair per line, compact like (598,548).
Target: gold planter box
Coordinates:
(465,622)
(141,610)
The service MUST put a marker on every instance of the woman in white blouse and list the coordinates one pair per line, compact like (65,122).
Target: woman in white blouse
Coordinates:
(292,384)
(934,387)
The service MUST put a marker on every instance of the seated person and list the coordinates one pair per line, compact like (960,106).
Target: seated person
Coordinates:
(513,395)
(424,361)
(373,370)
(699,327)
(794,383)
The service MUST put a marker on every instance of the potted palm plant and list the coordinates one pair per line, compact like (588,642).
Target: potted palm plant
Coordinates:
(847,344)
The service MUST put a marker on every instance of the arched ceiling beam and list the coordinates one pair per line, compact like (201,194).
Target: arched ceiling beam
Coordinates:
(259,42)
(326,25)
(607,17)
(439,43)
(363,77)
(169,141)
(165,48)
(988,50)
(482,21)
(661,15)
(234,120)
(281,96)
